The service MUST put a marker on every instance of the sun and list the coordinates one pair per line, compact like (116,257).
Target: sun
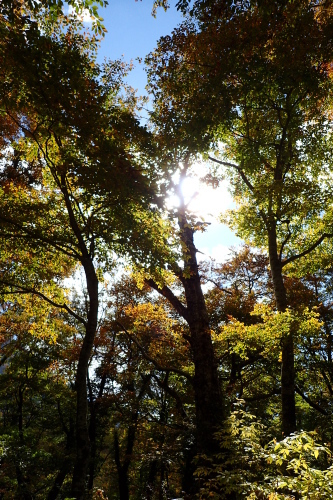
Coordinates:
(202,200)
(206,204)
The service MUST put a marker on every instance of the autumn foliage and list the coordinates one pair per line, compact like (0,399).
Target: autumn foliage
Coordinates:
(130,368)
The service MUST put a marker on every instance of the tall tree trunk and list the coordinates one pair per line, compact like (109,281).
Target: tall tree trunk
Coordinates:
(59,479)
(82,431)
(209,405)
(92,436)
(208,398)
(22,481)
(93,424)
(123,467)
(287,367)
(206,384)
(151,480)
(66,461)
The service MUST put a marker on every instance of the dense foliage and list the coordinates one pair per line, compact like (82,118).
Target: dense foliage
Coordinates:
(129,369)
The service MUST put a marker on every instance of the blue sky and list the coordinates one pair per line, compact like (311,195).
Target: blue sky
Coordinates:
(133,32)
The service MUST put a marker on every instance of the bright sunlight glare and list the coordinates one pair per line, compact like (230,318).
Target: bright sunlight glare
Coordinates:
(207,203)
(202,199)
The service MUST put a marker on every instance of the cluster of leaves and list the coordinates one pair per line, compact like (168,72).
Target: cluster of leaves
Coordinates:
(36,398)
(255,467)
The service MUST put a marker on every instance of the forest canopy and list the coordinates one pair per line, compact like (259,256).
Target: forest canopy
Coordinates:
(131,367)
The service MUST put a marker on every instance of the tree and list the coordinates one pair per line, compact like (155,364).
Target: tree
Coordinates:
(70,193)
(141,403)
(30,13)
(262,93)
(37,429)
(190,306)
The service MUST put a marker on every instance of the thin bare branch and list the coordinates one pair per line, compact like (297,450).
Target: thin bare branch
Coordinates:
(311,403)
(224,163)
(174,394)
(33,291)
(238,168)
(209,280)
(62,247)
(149,358)
(260,397)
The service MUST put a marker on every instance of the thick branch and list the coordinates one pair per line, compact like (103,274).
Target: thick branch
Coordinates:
(306,252)
(73,221)
(21,289)
(171,297)
(238,168)
(38,237)
(260,397)
(283,244)
(311,403)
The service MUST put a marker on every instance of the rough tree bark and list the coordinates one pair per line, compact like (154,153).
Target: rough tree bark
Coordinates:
(287,367)
(208,398)
(82,430)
